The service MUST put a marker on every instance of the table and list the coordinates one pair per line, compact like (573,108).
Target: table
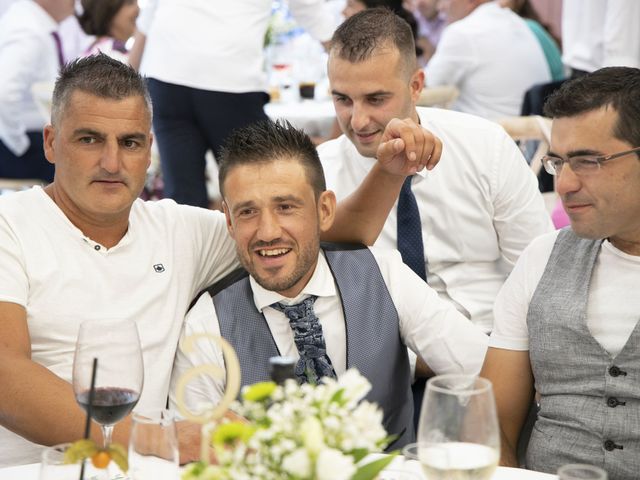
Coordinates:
(315,117)
(31,472)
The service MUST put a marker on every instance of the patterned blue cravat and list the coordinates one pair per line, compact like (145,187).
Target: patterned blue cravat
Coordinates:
(307,335)
(410,231)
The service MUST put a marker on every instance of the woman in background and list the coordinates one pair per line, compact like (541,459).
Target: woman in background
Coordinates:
(112,22)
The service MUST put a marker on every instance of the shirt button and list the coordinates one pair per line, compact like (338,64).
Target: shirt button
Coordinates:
(610,445)
(614,371)
(97,247)
(612,402)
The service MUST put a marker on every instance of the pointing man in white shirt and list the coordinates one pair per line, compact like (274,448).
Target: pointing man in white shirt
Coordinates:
(360,306)
(478,209)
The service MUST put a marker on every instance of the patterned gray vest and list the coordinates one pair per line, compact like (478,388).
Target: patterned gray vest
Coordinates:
(373,346)
(590,402)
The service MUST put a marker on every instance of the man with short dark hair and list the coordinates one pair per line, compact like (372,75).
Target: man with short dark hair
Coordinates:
(86,247)
(330,306)
(566,320)
(475,213)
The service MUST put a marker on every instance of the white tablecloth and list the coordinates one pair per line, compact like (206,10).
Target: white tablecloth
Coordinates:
(30,472)
(315,117)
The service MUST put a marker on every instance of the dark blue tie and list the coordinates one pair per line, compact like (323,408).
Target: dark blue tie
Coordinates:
(410,231)
(307,335)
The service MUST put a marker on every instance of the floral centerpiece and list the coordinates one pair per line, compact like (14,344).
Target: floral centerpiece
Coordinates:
(299,432)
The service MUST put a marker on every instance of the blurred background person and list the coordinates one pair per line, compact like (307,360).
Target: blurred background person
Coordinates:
(111,23)
(549,44)
(490,55)
(30,52)
(431,23)
(204,60)
(600,33)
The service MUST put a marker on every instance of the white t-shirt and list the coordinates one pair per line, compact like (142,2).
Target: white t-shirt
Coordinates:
(218,44)
(480,207)
(28,55)
(493,57)
(169,253)
(600,33)
(613,308)
(428,325)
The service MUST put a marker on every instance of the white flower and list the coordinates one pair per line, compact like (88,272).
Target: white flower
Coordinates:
(297,463)
(333,465)
(355,386)
(312,436)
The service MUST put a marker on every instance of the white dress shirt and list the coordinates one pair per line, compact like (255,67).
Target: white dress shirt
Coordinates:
(612,307)
(480,207)
(428,326)
(600,33)
(28,54)
(218,45)
(493,57)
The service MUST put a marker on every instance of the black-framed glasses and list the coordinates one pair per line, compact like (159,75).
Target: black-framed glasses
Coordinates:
(581,164)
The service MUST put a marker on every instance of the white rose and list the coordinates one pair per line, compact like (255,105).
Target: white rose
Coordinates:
(333,465)
(297,463)
(356,386)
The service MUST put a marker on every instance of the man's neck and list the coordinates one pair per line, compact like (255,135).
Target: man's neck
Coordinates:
(107,231)
(630,247)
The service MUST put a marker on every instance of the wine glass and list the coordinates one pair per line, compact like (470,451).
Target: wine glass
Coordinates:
(577,471)
(119,376)
(458,434)
(54,466)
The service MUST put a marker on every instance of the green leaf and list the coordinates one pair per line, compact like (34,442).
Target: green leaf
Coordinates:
(368,471)
(337,397)
(359,454)
(119,455)
(80,450)
(259,391)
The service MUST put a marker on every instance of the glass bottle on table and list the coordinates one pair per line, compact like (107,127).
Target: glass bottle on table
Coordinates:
(119,376)
(458,433)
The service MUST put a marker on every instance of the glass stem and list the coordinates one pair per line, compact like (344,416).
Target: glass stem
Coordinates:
(107,430)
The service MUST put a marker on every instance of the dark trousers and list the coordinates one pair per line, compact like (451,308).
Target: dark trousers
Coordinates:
(188,122)
(31,165)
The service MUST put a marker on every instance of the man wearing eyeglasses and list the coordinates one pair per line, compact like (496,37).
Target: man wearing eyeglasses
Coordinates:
(566,320)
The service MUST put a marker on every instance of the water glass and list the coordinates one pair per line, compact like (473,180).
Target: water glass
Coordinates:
(153,446)
(458,434)
(53,466)
(578,471)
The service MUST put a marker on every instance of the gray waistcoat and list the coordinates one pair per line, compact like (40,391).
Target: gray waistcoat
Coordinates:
(590,406)
(374,345)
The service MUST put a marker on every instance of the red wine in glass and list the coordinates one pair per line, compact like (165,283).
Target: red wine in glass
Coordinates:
(119,376)
(110,404)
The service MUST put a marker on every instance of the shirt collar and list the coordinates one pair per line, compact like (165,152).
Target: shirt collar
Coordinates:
(320,284)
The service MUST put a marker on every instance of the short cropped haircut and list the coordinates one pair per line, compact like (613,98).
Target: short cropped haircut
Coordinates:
(361,36)
(267,141)
(97,16)
(98,75)
(615,87)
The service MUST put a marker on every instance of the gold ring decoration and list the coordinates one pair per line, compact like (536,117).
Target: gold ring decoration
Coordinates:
(232,382)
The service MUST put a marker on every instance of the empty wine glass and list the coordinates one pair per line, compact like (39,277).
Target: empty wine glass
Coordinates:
(153,446)
(119,376)
(458,434)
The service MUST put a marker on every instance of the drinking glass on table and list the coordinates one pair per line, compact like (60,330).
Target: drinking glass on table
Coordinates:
(119,376)
(153,446)
(577,471)
(458,434)
(53,466)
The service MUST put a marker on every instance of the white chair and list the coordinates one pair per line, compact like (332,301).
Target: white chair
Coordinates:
(441,96)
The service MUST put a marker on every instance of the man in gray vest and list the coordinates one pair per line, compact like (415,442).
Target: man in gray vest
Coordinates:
(332,307)
(566,320)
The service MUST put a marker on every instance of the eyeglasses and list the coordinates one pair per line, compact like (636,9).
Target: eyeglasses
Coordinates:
(581,164)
